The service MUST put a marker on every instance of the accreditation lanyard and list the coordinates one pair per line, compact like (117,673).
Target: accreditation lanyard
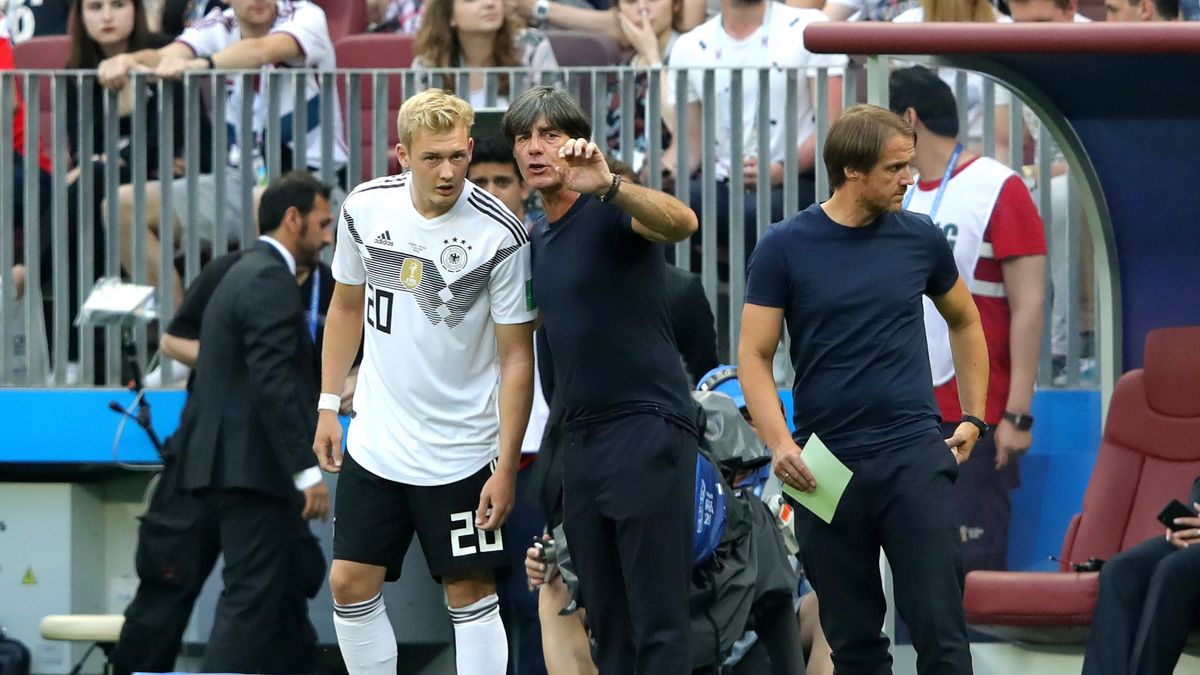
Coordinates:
(941,191)
(312,303)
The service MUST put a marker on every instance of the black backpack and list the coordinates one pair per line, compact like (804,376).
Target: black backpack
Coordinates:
(14,656)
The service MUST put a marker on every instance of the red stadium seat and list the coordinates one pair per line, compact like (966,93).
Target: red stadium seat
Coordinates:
(43,53)
(582,49)
(374,50)
(344,17)
(1149,454)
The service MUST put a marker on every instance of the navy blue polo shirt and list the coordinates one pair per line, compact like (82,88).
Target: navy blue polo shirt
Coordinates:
(600,289)
(852,302)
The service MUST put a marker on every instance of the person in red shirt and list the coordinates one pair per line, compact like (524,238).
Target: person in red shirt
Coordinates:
(999,243)
(17,106)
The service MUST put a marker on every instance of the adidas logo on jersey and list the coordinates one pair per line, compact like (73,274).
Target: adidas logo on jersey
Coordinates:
(384,239)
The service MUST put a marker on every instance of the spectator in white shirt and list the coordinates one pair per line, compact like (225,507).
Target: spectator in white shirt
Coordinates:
(249,34)
(752,35)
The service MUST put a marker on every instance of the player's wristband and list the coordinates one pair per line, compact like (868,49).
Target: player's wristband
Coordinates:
(330,402)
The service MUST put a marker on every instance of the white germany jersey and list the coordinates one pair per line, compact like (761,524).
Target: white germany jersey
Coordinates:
(426,401)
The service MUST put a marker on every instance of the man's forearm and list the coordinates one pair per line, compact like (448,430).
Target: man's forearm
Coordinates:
(806,154)
(182,350)
(569,17)
(515,401)
(762,399)
(257,52)
(665,216)
(343,332)
(1025,285)
(147,57)
(1024,347)
(837,12)
(969,348)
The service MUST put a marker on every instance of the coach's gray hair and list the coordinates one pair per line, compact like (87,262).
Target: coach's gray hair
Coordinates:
(562,112)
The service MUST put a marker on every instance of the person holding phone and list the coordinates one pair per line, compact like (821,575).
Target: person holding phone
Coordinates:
(1149,599)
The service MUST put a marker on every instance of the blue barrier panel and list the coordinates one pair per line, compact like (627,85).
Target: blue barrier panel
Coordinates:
(1054,476)
(77,425)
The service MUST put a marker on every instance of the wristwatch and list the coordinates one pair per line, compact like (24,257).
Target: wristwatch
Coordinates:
(541,13)
(1021,421)
(984,427)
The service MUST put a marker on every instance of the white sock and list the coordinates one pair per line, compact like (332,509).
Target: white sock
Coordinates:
(480,646)
(366,637)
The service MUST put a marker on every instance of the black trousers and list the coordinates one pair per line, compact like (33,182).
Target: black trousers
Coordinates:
(901,501)
(983,505)
(1149,601)
(179,540)
(262,622)
(178,545)
(628,509)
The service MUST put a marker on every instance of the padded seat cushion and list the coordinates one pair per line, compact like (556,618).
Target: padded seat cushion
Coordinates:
(1031,598)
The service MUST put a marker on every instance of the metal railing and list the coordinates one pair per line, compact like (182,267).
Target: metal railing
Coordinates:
(368,100)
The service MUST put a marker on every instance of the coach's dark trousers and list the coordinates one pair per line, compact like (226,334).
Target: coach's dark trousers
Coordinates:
(900,500)
(628,508)
(1149,596)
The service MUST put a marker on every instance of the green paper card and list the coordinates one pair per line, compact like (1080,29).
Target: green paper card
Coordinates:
(832,477)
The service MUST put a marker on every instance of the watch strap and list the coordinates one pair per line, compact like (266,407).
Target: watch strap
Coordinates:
(1022,421)
(980,424)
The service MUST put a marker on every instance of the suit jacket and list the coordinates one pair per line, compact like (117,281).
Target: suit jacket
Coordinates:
(251,417)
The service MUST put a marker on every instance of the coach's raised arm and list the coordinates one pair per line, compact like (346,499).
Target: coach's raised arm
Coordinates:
(620,390)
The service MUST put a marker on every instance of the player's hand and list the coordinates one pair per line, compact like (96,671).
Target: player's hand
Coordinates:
(496,501)
(1010,443)
(786,463)
(327,445)
(316,502)
(966,435)
(586,170)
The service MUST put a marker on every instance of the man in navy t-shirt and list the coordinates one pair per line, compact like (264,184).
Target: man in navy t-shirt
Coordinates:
(626,413)
(848,276)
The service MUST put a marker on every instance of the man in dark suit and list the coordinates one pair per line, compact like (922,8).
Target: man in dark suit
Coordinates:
(1149,602)
(179,539)
(246,452)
